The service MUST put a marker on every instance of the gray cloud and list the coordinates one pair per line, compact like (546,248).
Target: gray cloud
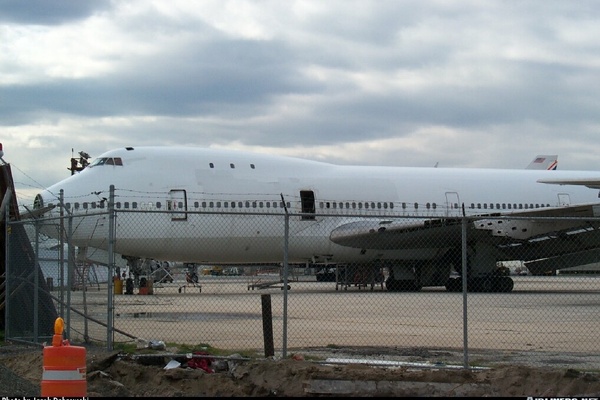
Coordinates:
(45,12)
(400,83)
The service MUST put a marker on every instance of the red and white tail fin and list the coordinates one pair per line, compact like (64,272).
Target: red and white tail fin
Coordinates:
(549,162)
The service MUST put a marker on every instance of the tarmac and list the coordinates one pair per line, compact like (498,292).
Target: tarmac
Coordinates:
(543,317)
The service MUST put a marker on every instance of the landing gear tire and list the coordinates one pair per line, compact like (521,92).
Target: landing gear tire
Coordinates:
(454,285)
(505,284)
(481,284)
(402,285)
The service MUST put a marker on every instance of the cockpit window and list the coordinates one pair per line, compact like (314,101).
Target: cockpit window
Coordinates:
(106,161)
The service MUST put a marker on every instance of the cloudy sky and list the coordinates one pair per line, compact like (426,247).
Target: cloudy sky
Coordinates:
(405,83)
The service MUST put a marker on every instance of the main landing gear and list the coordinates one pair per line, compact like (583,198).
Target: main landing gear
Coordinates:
(487,284)
(402,285)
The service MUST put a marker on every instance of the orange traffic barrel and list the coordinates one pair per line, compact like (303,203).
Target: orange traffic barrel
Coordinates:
(64,370)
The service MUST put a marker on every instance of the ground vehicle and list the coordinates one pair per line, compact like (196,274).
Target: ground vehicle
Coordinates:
(326,275)
(214,270)
(233,271)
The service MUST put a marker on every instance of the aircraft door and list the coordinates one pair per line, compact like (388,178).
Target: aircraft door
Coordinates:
(307,200)
(564,199)
(177,202)
(452,204)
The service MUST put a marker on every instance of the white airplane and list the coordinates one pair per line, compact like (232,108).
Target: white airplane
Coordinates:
(213,206)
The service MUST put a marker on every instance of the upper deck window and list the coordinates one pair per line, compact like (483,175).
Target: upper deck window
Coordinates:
(107,161)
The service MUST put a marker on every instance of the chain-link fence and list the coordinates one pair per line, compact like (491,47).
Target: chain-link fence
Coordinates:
(405,291)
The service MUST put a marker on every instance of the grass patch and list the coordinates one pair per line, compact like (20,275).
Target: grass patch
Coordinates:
(125,347)
(178,348)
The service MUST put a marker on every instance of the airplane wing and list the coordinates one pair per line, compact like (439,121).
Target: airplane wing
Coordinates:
(395,234)
(544,244)
(530,224)
(531,233)
(548,162)
(591,183)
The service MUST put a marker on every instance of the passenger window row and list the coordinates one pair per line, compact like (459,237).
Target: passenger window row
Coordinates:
(356,205)
(507,206)
(275,204)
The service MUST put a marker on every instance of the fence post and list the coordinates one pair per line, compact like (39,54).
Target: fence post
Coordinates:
(111,269)
(285,275)
(68,284)
(464,290)
(7,269)
(36,283)
(267,316)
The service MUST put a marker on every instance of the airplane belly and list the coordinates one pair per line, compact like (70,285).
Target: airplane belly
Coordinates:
(218,238)
(203,250)
(205,238)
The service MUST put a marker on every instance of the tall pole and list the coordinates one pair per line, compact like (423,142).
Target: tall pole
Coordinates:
(464,290)
(285,275)
(111,267)
(7,271)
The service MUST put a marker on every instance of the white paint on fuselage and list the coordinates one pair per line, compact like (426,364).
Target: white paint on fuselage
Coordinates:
(148,174)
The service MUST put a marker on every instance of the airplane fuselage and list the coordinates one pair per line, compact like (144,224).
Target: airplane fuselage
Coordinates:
(211,196)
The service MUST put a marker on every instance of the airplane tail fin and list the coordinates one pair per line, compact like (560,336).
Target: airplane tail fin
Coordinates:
(548,162)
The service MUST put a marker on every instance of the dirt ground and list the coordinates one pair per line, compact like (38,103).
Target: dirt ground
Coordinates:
(301,374)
